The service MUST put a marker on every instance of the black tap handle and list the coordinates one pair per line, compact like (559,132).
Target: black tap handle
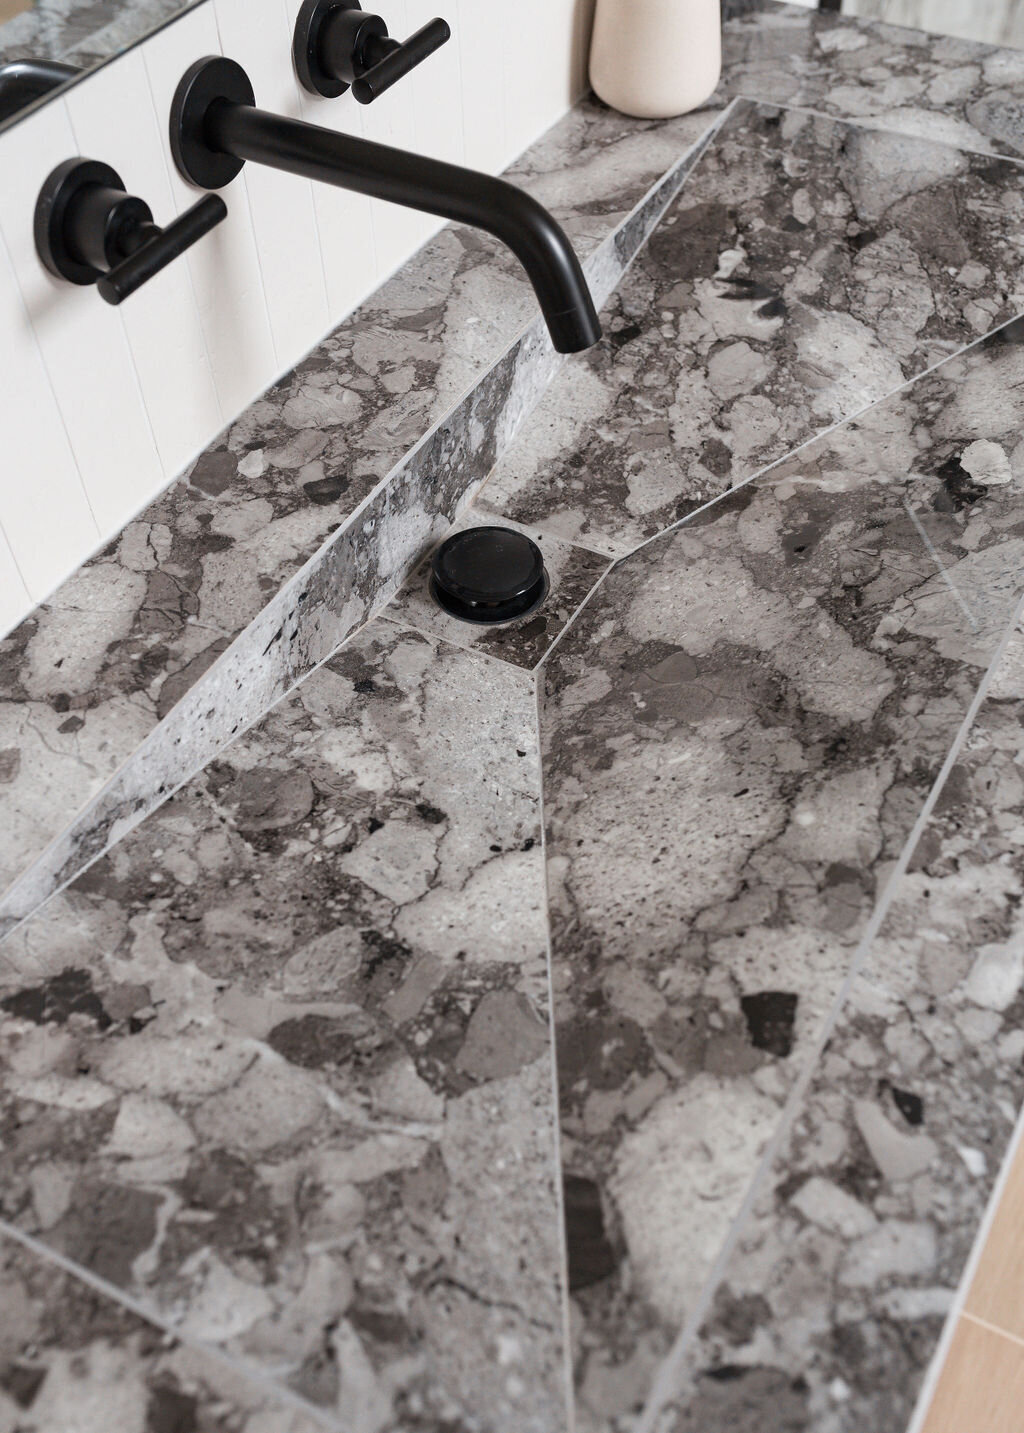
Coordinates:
(160,248)
(337,45)
(89,230)
(399,60)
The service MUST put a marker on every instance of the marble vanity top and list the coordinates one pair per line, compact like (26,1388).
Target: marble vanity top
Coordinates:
(612,1021)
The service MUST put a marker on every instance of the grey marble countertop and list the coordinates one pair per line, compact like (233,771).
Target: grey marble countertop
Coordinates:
(612,1021)
(150,620)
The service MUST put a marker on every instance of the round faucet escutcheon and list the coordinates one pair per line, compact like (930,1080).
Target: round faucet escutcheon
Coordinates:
(488,575)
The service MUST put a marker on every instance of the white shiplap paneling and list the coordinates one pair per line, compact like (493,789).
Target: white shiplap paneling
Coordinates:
(435,89)
(44,512)
(82,340)
(281,204)
(478,31)
(225,266)
(162,319)
(344,221)
(14,596)
(397,232)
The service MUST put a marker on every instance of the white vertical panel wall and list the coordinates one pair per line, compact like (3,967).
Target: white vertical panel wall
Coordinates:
(82,341)
(102,407)
(162,320)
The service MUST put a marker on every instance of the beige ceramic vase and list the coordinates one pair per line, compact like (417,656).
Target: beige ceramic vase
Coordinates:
(656,58)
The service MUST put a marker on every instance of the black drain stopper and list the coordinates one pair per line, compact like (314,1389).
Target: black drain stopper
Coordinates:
(488,574)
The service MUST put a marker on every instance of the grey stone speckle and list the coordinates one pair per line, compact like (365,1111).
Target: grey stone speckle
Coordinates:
(731,728)
(921,1168)
(223,538)
(292,1104)
(166,649)
(770,330)
(503,1035)
(71,1358)
(897,1154)
(279,1064)
(269,800)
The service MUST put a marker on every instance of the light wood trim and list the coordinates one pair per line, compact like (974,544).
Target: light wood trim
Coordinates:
(10,8)
(981,1387)
(996,1295)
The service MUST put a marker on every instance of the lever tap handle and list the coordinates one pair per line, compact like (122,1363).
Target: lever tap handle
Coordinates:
(89,230)
(161,247)
(397,63)
(337,45)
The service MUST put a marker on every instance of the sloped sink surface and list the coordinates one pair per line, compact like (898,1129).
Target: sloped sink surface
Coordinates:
(90,732)
(726,836)
(810,268)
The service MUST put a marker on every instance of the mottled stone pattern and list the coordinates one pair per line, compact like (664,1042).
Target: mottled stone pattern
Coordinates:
(998,23)
(279,1065)
(740,731)
(72,1359)
(958,91)
(149,619)
(807,269)
(283,539)
(837,1291)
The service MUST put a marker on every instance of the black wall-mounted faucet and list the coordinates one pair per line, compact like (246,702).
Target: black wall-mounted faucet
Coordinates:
(337,45)
(88,230)
(215,128)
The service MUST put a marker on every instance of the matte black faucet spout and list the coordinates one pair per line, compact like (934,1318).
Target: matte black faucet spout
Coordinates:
(215,127)
(22,82)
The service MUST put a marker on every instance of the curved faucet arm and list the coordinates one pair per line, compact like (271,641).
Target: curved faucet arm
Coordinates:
(22,82)
(214,117)
(432,186)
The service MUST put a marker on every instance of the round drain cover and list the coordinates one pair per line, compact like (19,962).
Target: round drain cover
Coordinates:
(488,574)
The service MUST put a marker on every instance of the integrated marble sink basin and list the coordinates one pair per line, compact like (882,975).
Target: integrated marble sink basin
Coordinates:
(620,1001)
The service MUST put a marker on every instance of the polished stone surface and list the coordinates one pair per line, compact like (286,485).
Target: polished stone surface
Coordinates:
(833,1300)
(279,1065)
(998,22)
(73,1360)
(911,1108)
(152,618)
(284,538)
(740,731)
(938,87)
(807,269)
(634,994)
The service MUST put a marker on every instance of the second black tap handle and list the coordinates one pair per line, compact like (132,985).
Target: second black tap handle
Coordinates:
(337,45)
(161,247)
(400,59)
